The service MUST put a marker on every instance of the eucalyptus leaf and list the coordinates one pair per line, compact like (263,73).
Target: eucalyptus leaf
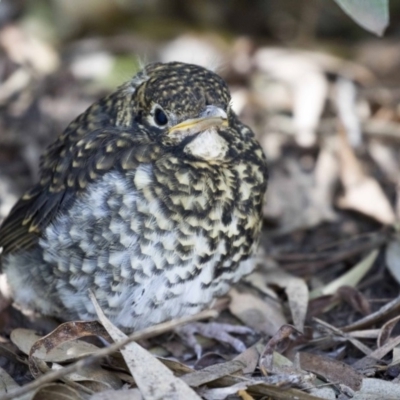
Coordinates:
(372,15)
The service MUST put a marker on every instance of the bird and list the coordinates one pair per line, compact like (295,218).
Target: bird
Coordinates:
(151,199)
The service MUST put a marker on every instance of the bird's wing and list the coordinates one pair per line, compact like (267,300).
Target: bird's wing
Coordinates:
(66,169)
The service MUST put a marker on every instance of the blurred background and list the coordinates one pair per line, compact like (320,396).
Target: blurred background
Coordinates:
(321,94)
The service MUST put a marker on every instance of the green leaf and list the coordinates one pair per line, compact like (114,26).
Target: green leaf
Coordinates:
(372,15)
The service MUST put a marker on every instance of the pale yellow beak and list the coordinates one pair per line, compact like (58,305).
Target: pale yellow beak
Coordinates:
(211,117)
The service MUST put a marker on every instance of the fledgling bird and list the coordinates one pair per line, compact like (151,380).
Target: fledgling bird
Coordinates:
(151,199)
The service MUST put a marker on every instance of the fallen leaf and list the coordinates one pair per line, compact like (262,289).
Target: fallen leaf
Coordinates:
(94,377)
(7,383)
(373,389)
(250,358)
(368,364)
(127,394)
(154,380)
(392,255)
(262,316)
(55,391)
(386,330)
(223,393)
(355,298)
(213,372)
(350,278)
(331,370)
(279,342)
(371,319)
(362,192)
(295,288)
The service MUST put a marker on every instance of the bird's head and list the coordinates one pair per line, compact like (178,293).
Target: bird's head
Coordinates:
(185,108)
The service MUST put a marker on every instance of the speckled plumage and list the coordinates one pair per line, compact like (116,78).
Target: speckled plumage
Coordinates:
(155,220)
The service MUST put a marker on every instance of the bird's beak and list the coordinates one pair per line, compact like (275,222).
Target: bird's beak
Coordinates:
(212,116)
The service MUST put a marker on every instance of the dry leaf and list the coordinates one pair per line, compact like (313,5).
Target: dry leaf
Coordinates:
(375,317)
(279,342)
(94,377)
(346,106)
(368,364)
(386,331)
(250,358)
(213,372)
(7,383)
(355,298)
(262,316)
(373,389)
(392,256)
(362,193)
(296,290)
(223,393)
(154,380)
(128,394)
(54,391)
(350,278)
(332,370)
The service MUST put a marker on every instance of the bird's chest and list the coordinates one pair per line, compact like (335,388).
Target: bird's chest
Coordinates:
(143,241)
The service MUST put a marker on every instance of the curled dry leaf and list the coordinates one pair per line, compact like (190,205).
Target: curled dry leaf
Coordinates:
(154,379)
(263,316)
(296,290)
(62,338)
(279,342)
(386,331)
(60,345)
(355,298)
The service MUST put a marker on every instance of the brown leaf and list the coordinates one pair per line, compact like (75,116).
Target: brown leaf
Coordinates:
(355,298)
(57,391)
(386,331)
(332,370)
(279,342)
(61,337)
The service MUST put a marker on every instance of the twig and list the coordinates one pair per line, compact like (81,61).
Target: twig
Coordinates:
(81,364)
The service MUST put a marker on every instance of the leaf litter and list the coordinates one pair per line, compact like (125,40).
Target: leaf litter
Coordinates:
(321,310)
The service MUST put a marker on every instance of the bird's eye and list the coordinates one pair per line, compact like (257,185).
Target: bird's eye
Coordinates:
(160,118)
